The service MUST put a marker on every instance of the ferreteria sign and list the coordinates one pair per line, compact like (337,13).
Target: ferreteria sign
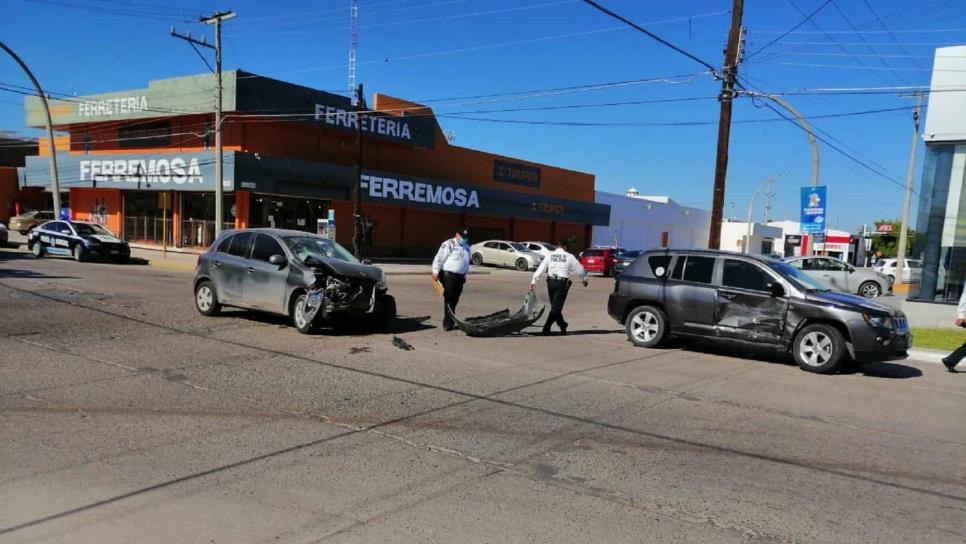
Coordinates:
(387,188)
(380,125)
(166,171)
(162,98)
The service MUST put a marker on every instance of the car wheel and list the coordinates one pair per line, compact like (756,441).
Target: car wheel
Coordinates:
(646,326)
(303,325)
(819,348)
(206,301)
(522,264)
(608,272)
(477,259)
(78,253)
(870,289)
(892,279)
(384,313)
(37,249)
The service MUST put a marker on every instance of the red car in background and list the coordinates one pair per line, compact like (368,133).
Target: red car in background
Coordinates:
(600,259)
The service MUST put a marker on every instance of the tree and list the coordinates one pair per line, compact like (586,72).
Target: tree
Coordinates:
(887,245)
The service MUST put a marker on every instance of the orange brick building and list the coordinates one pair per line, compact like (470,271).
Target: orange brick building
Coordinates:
(141,162)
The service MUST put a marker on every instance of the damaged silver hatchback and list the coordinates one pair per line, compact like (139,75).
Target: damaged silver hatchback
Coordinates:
(308,278)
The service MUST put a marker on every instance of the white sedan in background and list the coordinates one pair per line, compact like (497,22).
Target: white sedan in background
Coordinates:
(887,267)
(542,248)
(504,253)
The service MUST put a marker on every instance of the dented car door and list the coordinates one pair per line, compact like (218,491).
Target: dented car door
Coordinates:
(746,307)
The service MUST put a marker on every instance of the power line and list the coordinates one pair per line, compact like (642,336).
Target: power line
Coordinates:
(860,67)
(650,34)
(261,23)
(843,49)
(789,31)
(861,37)
(414,21)
(856,31)
(886,28)
(123,12)
(880,44)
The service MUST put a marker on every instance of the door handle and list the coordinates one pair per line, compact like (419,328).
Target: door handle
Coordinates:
(251,269)
(216,263)
(728,296)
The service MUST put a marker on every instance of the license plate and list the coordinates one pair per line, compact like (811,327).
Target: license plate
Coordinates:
(591,261)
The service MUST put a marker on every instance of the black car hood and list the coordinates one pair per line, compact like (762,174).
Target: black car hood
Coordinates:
(348,270)
(102,238)
(849,302)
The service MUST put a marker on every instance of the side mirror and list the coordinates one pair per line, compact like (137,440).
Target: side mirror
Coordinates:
(776,289)
(366,262)
(277,260)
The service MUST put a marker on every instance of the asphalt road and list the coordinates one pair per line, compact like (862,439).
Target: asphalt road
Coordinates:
(127,417)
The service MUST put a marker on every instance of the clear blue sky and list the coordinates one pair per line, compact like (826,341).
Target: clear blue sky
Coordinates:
(432,49)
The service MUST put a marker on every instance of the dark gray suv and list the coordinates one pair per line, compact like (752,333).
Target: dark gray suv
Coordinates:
(755,301)
(292,273)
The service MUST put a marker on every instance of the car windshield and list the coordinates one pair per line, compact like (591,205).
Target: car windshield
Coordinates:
(797,277)
(519,247)
(85,229)
(318,248)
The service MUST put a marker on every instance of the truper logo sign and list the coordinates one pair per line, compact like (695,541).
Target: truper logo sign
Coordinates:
(421,192)
(112,106)
(175,170)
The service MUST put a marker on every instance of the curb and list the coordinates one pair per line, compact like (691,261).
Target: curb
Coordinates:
(927,356)
(167,265)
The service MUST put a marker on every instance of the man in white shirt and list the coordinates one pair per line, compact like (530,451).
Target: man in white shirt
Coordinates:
(955,357)
(558,266)
(450,267)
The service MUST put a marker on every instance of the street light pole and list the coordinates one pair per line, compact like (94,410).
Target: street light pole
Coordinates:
(52,148)
(907,199)
(751,207)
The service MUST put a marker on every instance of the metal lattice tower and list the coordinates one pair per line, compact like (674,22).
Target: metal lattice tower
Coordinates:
(353,46)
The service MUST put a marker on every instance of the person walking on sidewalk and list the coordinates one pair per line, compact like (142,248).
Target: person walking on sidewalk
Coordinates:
(558,266)
(955,357)
(450,267)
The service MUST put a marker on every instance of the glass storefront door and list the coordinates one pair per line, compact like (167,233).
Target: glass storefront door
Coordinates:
(198,218)
(285,212)
(147,217)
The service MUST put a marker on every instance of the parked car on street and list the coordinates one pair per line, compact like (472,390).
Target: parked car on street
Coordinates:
(77,239)
(4,235)
(841,276)
(303,276)
(887,267)
(27,221)
(600,259)
(753,301)
(504,253)
(624,259)
(541,248)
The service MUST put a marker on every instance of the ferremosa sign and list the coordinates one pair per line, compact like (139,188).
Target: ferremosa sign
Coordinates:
(385,188)
(163,171)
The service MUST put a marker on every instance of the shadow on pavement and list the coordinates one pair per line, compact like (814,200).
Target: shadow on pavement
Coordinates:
(400,325)
(884,370)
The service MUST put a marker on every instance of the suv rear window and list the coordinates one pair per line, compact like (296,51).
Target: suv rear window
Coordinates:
(594,253)
(659,263)
(694,268)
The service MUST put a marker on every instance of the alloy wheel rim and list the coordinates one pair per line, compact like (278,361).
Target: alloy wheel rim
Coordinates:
(645,326)
(37,248)
(299,315)
(816,348)
(870,291)
(204,298)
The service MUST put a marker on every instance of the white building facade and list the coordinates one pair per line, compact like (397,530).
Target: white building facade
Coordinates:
(649,222)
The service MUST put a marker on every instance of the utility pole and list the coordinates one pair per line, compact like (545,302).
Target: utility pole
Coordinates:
(51,147)
(357,186)
(215,19)
(906,201)
(729,76)
(751,207)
